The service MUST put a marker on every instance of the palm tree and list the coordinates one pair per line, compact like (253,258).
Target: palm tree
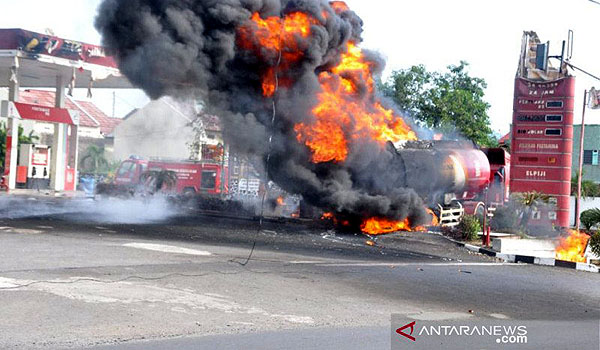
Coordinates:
(160,179)
(95,154)
(530,201)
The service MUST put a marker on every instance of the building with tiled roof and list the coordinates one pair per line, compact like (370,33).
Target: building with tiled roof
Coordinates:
(504,140)
(95,127)
(93,123)
(166,128)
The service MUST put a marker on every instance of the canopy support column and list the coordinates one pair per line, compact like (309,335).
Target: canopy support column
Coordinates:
(59,143)
(12,134)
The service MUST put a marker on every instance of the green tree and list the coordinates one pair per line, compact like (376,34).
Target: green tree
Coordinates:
(23,139)
(160,179)
(449,102)
(590,218)
(94,159)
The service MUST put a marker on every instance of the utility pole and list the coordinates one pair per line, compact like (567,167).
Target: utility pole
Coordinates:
(114,102)
(580,171)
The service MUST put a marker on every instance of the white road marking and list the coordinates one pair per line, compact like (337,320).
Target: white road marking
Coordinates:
(306,262)
(167,249)
(8,283)
(22,231)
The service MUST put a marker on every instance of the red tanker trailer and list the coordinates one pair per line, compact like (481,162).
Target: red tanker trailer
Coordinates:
(466,181)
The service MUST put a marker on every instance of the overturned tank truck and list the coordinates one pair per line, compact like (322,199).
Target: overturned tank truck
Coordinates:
(454,178)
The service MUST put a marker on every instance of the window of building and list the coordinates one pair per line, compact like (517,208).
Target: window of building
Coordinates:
(553,132)
(554,104)
(552,215)
(590,157)
(536,215)
(554,118)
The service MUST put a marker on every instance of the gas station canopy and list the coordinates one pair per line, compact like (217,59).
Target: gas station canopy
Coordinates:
(41,58)
(33,60)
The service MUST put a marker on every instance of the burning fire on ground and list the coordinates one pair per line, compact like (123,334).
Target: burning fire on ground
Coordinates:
(378,226)
(573,247)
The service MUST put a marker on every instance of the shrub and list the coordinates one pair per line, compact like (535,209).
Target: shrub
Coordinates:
(595,243)
(469,226)
(589,218)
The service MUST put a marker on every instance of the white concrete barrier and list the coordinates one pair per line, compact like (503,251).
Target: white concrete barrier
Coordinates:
(529,247)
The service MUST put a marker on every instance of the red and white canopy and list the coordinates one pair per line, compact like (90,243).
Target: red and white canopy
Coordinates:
(41,58)
(39,113)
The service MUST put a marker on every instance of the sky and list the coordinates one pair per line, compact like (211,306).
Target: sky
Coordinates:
(436,33)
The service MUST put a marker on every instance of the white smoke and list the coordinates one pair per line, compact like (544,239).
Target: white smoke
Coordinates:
(107,211)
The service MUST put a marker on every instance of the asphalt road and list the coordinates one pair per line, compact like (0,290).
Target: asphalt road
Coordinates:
(76,278)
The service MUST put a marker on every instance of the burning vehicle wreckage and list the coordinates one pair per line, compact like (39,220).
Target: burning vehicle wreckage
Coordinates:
(296,92)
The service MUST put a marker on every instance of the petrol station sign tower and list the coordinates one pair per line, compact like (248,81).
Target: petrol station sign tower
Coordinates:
(542,131)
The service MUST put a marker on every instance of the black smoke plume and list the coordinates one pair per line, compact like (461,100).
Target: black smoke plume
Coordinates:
(190,48)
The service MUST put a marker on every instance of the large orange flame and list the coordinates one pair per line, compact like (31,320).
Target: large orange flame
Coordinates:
(277,40)
(573,247)
(348,108)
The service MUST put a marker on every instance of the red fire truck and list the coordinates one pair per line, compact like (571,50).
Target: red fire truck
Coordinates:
(193,177)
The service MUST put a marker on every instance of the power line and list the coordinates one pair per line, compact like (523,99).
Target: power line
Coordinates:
(595,2)
(581,70)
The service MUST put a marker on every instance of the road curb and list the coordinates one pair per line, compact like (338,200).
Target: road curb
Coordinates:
(525,259)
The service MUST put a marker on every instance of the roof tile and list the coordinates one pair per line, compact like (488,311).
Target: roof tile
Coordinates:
(89,114)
